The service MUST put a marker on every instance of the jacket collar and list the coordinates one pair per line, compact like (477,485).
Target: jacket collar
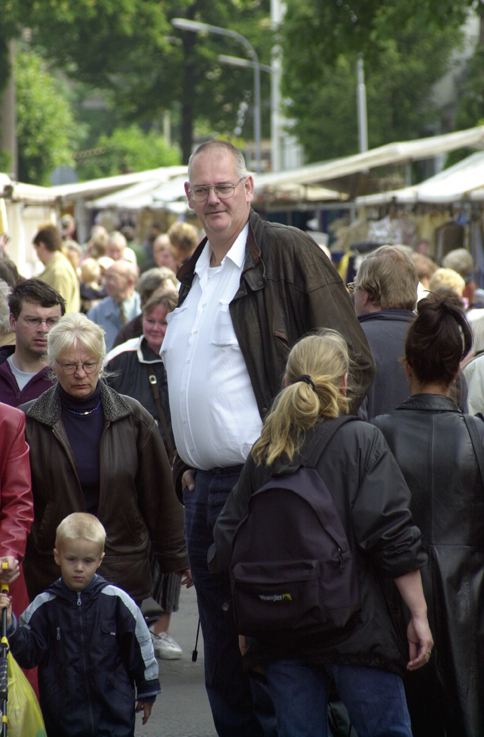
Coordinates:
(431,402)
(59,588)
(392,313)
(48,409)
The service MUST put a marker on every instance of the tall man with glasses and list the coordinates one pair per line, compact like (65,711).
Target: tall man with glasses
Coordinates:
(35,307)
(248,293)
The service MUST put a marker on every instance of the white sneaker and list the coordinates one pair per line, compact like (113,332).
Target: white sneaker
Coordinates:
(165,646)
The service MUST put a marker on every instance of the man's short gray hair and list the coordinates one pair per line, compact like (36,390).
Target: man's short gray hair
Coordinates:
(389,277)
(208,146)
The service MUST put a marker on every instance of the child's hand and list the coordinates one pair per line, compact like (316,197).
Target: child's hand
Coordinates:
(145,708)
(6,603)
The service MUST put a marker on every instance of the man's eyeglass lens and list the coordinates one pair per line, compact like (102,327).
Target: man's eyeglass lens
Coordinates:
(223,191)
(36,322)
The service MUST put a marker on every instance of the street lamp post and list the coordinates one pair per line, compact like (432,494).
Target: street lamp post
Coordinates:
(192,25)
(361,105)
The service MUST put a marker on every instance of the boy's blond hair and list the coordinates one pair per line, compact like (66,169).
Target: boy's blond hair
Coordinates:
(81,525)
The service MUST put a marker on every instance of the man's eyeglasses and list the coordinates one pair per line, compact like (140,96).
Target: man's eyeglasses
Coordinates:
(224,191)
(352,286)
(36,322)
(70,368)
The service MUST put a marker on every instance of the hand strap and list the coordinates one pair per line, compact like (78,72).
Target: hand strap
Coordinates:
(164,424)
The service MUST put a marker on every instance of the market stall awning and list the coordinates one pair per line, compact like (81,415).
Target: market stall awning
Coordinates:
(463,181)
(98,187)
(152,193)
(391,153)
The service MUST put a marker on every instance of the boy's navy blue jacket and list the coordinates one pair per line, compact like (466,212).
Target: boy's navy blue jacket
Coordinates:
(92,647)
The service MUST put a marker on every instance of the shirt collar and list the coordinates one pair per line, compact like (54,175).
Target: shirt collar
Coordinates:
(236,253)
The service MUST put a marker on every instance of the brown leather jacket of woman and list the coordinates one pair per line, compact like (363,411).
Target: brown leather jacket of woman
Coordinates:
(137,503)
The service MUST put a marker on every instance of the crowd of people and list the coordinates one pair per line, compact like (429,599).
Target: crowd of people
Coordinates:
(148,395)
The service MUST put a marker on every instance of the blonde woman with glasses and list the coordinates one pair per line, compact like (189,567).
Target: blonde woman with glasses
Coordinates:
(94,450)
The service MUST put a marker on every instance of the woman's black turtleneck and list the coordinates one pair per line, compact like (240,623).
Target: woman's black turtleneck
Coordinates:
(84,433)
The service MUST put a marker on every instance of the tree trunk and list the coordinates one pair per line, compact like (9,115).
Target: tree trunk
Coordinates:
(8,118)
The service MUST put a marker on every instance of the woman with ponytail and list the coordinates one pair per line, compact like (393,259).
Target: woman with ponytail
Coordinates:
(441,454)
(364,657)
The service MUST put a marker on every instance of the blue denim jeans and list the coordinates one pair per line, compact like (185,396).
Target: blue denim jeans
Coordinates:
(375,699)
(230,691)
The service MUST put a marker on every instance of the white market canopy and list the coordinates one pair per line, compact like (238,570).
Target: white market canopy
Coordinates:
(105,185)
(13,191)
(153,193)
(391,153)
(463,181)
(163,188)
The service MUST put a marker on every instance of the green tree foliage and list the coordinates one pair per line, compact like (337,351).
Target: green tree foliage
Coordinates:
(470,104)
(130,48)
(127,149)
(45,125)
(403,55)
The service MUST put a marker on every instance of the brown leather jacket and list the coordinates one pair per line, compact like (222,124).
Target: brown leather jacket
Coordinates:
(137,504)
(288,289)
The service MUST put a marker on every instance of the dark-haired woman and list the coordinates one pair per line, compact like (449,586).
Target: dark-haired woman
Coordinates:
(364,656)
(431,440)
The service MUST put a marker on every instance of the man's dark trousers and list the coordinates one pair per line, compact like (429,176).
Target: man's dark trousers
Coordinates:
(234,698)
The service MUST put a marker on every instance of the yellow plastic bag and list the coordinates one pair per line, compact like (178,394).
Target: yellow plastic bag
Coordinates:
(23,711)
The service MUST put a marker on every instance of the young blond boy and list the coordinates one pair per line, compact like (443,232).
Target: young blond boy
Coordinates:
(90,641)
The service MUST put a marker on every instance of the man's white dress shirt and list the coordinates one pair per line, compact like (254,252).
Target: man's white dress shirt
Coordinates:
(213,408)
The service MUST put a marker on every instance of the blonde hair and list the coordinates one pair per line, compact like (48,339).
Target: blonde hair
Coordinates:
(81,525)
(324,359)
(72,330)
(90,270)
(447,278)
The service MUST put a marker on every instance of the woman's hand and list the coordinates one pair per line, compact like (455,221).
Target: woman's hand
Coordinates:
(420,642)
(186,578)
(418,631)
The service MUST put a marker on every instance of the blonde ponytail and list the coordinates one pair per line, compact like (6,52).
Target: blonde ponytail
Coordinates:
(315,374)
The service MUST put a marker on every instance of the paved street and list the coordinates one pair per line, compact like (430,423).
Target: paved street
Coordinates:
(182,710)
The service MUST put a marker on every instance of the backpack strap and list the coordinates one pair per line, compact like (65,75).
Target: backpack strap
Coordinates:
(476,441)
(322,436)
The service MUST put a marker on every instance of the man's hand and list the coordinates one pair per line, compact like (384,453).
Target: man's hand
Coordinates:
(6,603)
(188,480)
(10,574)
(145,708)
(186,578)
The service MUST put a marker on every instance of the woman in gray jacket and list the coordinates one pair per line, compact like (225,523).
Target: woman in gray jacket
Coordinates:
(364,657)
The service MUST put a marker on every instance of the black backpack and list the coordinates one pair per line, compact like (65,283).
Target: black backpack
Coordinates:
(292,567)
